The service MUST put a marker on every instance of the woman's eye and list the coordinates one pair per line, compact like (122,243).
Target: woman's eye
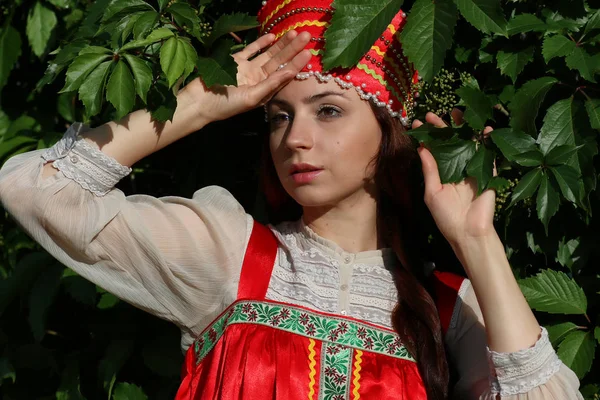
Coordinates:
(280,118)
(328,112)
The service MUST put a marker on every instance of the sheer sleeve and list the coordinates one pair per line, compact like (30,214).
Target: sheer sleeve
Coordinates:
(530,374)
(174,257)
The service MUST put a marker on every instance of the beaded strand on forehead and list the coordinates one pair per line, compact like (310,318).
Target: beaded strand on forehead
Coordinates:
(383,75)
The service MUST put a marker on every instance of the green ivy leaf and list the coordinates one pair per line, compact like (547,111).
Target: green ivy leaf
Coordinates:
(142,74)
(7,371)
(558,128)
(41,297)
(120,90)
(557,332)
(574,254)
(485,15)
(116,355)
(597,333)
(185,16)
(554,292)
(95,50)
(481,167)
(80,289)
(498,183)
(231,23)
(144,24)
(162,102)
(355,26)
(91,92)
(61,3)
(191,58)
(107,300)
(557,46)
(511,64)
(162,4)
(427,133)
(173,59)
(526,103)
(547,201)
(507,94)
(452,157)
(80,69)
(119,8)
(478,106)
(428,34)
(513,143)
(527,186)
(10,51)
(525,23)
(69,386)
(577,352)
(70,51)
(220,68)
(155,36)
(569,182)
(41,21)
(593,22)
(557,23)
(561,154)
(128,391)
(593,109)
(214,73)
(586,64)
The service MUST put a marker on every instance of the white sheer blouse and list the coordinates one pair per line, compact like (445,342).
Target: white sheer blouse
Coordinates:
(180,259)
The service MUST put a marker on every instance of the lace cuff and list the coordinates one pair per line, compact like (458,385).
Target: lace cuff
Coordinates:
(81,161)
(521,371)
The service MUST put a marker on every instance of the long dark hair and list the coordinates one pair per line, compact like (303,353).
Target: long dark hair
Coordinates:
(415,317)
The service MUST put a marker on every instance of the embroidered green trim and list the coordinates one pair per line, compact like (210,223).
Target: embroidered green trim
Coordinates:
(379,78)
(336,364)
(289,318)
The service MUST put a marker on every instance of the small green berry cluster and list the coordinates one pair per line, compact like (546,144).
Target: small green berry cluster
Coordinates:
(439,96)
(205,29)
(502,196)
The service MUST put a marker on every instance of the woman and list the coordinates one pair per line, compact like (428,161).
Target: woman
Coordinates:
(326,306)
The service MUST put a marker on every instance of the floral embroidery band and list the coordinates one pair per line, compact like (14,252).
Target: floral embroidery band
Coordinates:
(300,321)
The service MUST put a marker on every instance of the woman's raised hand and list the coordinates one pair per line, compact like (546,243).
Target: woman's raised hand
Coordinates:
(459,213)
(259,76)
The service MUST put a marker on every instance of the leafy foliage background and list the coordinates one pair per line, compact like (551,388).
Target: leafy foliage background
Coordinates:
(528,68)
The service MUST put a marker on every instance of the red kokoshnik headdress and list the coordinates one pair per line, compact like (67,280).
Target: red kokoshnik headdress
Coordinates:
(383,75)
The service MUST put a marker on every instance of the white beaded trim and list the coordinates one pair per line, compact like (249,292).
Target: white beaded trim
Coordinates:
(365,95)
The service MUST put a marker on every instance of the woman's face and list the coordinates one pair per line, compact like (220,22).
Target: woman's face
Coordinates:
(323,140)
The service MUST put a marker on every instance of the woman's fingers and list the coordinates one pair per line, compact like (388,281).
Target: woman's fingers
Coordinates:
(435,120)
(457,116)
(431,173)
(263,91)
(263,58)
(287,53)
(254,47)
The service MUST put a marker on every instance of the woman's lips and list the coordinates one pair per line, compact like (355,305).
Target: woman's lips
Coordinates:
(306,177)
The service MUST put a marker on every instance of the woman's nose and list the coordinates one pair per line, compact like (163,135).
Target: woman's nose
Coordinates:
(299,136)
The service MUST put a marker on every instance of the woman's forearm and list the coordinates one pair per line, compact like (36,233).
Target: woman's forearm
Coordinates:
(510,323)
(137,135)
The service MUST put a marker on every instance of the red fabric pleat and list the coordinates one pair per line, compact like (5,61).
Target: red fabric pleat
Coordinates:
(258,263)
(446,287)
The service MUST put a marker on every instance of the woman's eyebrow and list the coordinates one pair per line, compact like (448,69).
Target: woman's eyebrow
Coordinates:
(307,100)
(315,97)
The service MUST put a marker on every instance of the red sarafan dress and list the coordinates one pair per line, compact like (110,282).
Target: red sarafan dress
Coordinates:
(262,349)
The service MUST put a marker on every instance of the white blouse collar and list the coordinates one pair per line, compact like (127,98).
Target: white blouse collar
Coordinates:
(384,257)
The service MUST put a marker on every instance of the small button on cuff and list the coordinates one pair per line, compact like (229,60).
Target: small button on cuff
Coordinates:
(343,312)
(74,159)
